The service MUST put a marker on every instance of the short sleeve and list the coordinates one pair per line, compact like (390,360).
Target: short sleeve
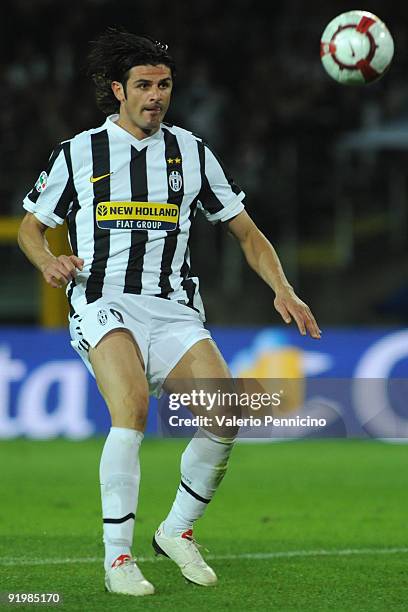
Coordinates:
(52,193)
(220,199)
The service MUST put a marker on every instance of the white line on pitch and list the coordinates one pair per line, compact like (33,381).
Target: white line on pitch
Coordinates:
(251,556)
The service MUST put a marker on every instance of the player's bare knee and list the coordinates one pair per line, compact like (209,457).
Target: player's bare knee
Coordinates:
(129,406)
(224,419)
(134,418)
(129,421)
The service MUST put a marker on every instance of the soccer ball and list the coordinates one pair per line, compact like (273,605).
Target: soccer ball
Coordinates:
(356,48)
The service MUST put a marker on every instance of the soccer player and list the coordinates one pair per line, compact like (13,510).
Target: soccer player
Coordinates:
(129,191)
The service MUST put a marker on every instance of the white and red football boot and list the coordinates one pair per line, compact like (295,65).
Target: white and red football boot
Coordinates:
(183,550)
(125,577)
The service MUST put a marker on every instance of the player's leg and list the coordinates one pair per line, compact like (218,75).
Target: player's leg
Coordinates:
(118,369)
(203,463)
(203,368)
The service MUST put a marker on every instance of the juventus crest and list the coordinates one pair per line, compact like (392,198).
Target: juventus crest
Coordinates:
(175,180)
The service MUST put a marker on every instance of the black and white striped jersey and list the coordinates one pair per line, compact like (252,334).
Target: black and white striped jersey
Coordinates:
(129,205)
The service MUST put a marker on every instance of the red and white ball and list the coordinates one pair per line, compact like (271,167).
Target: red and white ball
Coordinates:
(356,48)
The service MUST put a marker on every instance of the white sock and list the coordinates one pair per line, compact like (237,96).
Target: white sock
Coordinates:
(203,466)
(119,477)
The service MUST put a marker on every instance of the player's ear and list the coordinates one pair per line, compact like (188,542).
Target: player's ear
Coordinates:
(118,91)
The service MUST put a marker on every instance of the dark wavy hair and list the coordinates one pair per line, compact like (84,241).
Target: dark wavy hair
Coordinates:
(111,57)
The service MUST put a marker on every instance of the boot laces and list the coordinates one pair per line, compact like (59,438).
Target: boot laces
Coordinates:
(128,561)
(188,535)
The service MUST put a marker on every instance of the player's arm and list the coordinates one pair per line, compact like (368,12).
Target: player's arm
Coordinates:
(263,259)
(57,271)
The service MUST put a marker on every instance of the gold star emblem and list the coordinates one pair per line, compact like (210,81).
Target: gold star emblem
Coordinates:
(170,160)
(177,160)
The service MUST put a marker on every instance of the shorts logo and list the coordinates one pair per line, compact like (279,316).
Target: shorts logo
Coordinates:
(137,216)
(175,180)
(117,315)
(102,317)
(41,183)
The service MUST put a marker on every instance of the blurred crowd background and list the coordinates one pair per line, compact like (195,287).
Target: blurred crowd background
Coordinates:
(323,166)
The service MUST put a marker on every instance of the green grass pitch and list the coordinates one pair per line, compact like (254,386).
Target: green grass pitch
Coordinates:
(313,525)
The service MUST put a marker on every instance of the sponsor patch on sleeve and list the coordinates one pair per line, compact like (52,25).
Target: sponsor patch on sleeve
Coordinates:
(41,183)
(137,216)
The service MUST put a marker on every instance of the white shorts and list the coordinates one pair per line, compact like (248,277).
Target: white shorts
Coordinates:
(164,330)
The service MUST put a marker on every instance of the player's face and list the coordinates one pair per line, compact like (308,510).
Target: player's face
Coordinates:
(147,97)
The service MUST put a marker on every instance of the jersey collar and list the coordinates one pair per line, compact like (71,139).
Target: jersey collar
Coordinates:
(118,131)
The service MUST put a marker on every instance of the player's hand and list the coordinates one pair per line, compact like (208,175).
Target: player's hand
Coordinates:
(290,306)
(59,271)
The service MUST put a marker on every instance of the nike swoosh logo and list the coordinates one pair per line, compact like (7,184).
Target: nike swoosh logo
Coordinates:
(95,179)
